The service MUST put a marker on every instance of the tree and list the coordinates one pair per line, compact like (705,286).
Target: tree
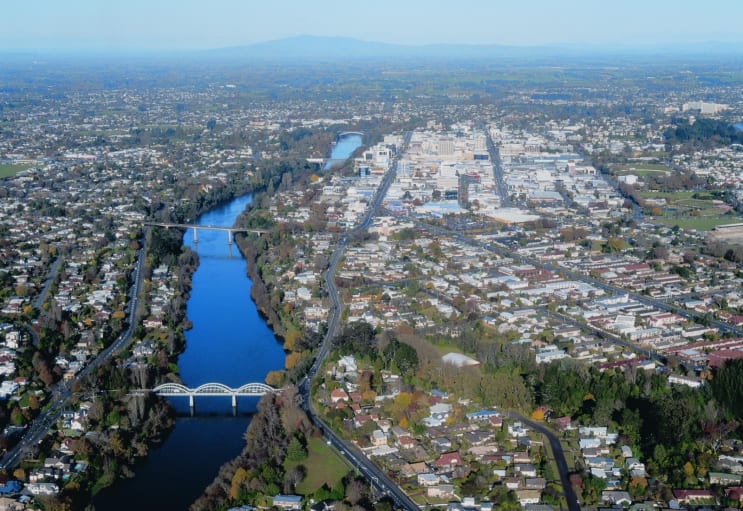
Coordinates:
(296,450)
(356,491)
(293,477)
(238,479)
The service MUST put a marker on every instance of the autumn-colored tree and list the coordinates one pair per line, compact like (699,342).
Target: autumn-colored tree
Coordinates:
(291,359)
(237,480)
(291,337)
(537,414)
(275,378)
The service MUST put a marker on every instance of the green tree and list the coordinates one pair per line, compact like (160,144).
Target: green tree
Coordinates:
(296,450)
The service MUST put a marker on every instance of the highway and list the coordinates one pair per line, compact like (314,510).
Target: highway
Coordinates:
(62,392)
(379,481)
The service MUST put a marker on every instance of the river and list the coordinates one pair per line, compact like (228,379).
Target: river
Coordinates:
(229,343)
(343,148)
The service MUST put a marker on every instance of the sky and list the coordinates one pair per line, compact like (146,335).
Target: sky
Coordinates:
(202,24)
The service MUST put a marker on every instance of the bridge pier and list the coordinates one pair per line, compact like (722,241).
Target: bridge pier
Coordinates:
(230,235)
(191,402)
(234,402)
(195,236)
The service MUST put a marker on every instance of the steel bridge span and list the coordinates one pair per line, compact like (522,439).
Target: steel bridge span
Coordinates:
(212,389)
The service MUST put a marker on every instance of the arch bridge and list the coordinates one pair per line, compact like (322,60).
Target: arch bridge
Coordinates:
(213,389)
(340,135)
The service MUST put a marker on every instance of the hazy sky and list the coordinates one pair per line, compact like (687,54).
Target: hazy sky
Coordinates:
(185,24)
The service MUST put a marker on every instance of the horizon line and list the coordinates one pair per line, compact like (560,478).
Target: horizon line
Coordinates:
(95,47)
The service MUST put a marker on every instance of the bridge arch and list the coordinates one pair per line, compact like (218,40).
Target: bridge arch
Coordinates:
(213,388)
(253,389)
(350,133)
(171,388)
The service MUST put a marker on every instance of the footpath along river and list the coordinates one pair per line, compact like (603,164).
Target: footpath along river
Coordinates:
(229,343)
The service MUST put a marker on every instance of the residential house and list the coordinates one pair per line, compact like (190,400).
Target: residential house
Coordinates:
(448,461)
(287,501)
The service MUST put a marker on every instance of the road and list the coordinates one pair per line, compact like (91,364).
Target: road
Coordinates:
(62,392)
(379,481)
(505,200)
(562,465)
(47,283)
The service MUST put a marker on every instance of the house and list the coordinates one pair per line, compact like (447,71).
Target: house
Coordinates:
(378,438)
(694,496)
(616,497)
(428,479)
(562,423)
(526,469)
(528,497)
(441,444)
(734,493)
(338,395)
(724,479)
(513,483)
(441,491)
(411,469)
(10,488)
(448,461)
(535,483)
(482,415)
(287,501)
(438,413)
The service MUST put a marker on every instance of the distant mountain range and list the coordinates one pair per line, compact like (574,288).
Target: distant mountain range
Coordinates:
(318,48)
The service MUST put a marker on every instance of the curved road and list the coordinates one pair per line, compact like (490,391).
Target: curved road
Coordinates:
(559,455)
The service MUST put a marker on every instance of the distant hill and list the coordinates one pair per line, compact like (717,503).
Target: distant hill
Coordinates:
(325,49)
(317,48)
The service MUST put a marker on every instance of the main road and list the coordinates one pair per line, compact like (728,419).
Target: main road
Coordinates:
(381,483)
(62,392)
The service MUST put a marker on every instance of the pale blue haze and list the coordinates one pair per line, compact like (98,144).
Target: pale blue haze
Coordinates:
(191,24)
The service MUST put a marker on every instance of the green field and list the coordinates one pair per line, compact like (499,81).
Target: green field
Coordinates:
(324,466)
(690,210)
(642,169)
(699,223)
(10,170)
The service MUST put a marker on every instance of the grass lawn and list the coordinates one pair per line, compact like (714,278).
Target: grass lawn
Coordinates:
(700,223)
(10,170)
(324,466)
(643,169)
(671,197)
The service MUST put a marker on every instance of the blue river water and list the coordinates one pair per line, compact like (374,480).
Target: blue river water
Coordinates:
(229,343)
(344,147)
(738,127)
